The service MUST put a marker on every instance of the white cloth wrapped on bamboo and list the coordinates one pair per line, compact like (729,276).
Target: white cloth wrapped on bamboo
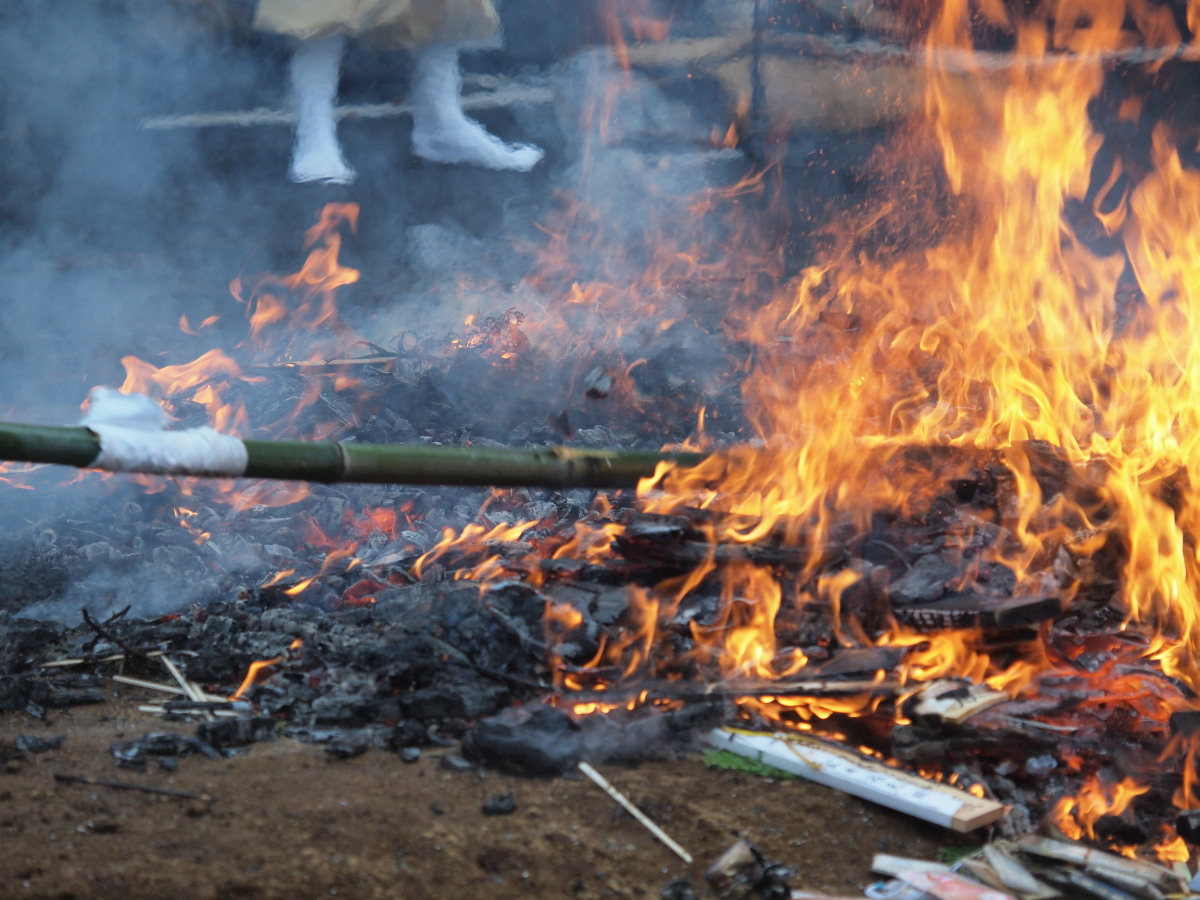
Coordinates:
(132,439)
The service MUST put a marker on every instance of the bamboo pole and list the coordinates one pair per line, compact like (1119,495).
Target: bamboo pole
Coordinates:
(348,461)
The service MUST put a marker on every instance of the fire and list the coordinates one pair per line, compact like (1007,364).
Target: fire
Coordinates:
(1077,816)
(998,328)
(201,381)
(306,300)
(478,540)
(256,669)
(1000,331)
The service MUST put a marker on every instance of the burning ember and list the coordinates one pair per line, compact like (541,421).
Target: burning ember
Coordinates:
(947,509)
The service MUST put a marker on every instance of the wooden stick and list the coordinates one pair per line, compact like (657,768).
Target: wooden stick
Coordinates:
(503,97)
(191,690)
(629,807)
(150,685)
(84,660)
(674,690)
(1128,873)
(125,786)
(161,709)
(893,866)
(166,688)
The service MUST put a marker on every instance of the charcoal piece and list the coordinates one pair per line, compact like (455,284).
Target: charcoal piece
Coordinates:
(349,745)
(562,567)
(27,743)
(611,605)
(925,582)
(19,691)
(857,661)
(683,889)
(237,732)
(1188,826)
(500,805)
(454,763)
(407,733)
(1040,766)
(560,423)
(545,742)
(1114,830)
(542,511)
(456,696)
(67,699)
(736,871)
(775,882)
(520,602)
(597,384)
(214,629)
(342,711)
(24,638)
(990,613)
(133,754)
(974,741)
(1185,723)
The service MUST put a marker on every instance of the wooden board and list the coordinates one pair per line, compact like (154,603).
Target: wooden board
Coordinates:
(837,767)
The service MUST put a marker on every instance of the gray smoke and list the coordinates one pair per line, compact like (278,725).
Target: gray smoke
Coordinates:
(110,231)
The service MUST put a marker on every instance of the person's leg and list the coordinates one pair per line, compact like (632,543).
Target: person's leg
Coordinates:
(442,132)
(315,68)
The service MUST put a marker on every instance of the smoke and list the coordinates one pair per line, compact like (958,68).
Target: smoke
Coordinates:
(111,231)
(103,223)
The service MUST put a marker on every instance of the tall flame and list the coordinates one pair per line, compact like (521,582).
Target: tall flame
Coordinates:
(1002,329)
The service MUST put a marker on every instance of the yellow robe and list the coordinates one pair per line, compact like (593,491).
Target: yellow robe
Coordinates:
(394,23)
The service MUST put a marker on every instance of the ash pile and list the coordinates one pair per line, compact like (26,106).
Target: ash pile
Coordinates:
(506,646)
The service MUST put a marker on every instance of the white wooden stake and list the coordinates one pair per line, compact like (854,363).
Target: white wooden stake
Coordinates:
(836,767)
(605,786)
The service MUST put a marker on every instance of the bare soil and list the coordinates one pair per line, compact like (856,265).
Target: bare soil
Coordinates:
(287,820)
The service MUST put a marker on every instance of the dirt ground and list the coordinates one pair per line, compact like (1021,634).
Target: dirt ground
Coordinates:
(288,820)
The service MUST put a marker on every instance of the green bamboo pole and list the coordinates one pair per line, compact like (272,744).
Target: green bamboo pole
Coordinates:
(329,461)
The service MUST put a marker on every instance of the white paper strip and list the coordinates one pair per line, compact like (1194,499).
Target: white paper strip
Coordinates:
(845,770)
(132,439)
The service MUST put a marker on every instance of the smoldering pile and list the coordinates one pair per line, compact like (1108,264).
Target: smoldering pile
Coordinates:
(500,642)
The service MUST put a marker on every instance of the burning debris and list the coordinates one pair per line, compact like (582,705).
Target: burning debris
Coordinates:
(907,508)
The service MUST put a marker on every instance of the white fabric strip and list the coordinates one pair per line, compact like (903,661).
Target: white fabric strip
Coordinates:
(132,439)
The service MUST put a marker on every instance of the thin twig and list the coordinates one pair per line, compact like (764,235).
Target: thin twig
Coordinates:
(629,807)
(126,786)
(112,638)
